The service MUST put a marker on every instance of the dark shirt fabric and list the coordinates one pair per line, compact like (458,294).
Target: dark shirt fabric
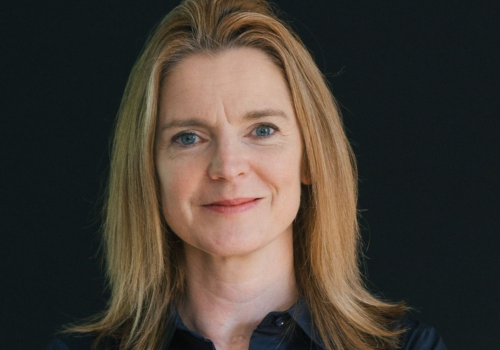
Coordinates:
(287,330)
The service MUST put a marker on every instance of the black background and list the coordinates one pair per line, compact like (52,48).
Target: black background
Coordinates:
(418,82)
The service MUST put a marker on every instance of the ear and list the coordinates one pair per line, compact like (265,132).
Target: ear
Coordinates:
(305,179)
(305,173)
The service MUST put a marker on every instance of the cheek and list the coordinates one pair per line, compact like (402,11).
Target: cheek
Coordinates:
(284,173)
(179,183)
(173,187)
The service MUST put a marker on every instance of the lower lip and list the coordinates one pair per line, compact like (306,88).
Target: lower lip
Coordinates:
(233,209)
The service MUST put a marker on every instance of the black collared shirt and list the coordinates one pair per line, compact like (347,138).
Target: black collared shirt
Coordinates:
(286,330)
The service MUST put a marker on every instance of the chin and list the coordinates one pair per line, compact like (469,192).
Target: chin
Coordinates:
(241,244)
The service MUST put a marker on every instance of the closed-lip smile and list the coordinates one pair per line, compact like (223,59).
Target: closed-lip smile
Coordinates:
(232,206)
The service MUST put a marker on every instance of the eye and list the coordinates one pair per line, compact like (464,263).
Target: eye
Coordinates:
(264,130)
(186,139)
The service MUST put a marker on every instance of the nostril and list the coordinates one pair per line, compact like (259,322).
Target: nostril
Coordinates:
(227,164)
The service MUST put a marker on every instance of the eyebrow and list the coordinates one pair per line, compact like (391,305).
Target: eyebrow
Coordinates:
(256,114)
(183,123)
(265,113)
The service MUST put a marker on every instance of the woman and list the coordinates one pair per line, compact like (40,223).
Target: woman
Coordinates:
(231,208)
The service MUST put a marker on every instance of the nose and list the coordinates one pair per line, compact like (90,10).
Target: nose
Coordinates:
(228,162)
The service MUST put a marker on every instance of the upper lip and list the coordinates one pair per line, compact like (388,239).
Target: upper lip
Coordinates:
(233,201)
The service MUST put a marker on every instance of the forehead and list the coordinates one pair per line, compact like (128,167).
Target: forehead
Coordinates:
(234,80)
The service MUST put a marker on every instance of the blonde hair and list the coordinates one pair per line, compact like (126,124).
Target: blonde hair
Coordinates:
(144,257)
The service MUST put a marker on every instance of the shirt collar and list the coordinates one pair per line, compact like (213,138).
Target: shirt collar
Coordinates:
(299,312)
(301,315)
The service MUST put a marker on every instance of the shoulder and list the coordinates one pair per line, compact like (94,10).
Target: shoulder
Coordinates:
(419,336)
(78,342)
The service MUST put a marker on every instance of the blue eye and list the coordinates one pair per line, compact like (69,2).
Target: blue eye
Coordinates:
(263,130)
(187,139)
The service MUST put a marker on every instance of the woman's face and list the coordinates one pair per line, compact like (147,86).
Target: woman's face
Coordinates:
(228,152)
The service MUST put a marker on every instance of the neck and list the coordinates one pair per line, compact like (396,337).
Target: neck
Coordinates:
(227,297)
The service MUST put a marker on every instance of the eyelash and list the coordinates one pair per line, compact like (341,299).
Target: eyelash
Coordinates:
(271,126)
(176,137)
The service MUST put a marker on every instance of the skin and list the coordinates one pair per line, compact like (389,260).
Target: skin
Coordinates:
(228,157)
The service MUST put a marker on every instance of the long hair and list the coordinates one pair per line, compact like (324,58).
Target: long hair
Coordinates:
(144,257)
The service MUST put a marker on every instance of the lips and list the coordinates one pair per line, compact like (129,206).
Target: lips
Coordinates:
(232,202)
(232,206)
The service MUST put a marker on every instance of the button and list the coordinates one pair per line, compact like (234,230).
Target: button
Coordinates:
(280,321)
